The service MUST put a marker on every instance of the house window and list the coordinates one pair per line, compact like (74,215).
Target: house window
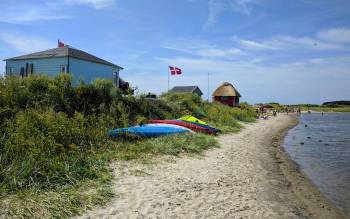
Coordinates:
(30,69)
(9,70)
(63,69)
(224,98)
(22,72)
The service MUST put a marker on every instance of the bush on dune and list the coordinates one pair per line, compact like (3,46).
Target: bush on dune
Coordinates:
(53,133)
(50,128)
(47,149)
(216,114)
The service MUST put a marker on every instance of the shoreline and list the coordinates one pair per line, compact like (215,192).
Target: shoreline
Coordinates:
(311,199)
(315,203)
(250,175)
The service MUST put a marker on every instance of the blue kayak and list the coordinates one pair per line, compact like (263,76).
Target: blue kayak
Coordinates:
(146,131)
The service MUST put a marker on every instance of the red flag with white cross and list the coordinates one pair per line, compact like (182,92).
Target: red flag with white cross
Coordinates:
(175,70)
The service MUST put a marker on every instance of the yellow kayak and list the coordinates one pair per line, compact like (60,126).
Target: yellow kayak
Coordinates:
(192,119)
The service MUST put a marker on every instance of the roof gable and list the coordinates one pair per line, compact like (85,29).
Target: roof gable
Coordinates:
(184,89)
(63,52)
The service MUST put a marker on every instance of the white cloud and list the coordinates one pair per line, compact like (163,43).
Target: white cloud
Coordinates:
(308,42)
(288,42)
(22,13)
(341,35)
(97,4)
(222,53)
(257,60)
(316,60)
(215,8)
(242,6)
(255,45)
(208,51)
(25,43)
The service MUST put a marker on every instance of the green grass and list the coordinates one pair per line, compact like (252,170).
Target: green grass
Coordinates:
(72,199)
(54,152)
(167,145)
(59,203)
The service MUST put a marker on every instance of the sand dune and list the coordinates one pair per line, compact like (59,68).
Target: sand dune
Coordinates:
(242,179)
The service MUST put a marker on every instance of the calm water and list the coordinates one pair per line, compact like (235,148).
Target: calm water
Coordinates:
(325,154)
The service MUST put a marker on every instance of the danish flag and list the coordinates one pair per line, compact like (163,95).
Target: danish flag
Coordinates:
(175,70)
(60,44)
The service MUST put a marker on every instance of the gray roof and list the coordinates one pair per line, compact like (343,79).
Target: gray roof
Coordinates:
(63,52)
(184,89)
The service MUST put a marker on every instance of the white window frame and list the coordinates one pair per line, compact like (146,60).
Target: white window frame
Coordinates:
(63,68)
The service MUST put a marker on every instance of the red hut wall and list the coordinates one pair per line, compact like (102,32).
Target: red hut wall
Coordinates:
(231,101)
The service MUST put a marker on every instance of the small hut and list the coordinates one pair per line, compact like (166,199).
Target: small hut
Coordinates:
(227,94)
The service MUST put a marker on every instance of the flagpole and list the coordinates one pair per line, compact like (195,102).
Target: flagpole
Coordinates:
(208,87)
(168,76)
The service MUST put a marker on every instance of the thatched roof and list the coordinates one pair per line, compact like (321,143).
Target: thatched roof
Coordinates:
(226,89)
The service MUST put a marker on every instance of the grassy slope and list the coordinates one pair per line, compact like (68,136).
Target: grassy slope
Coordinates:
(54,154)
(71,200)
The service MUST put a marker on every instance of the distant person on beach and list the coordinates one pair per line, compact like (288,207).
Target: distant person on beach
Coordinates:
(322,113)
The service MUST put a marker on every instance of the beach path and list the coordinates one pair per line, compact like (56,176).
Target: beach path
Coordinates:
(238,180)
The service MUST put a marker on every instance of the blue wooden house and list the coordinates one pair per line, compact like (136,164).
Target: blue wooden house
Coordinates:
(65,59)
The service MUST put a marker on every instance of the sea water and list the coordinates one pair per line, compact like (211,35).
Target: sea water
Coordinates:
(320,146)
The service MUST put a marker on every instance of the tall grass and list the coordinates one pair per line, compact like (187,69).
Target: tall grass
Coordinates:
(53,142)
(223,117)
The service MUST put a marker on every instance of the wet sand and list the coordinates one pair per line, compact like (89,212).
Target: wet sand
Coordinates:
(249,176)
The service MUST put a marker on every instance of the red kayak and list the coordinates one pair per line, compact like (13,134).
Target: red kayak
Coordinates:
(191,126)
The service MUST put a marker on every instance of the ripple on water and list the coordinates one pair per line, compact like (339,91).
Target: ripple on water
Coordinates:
(325,153)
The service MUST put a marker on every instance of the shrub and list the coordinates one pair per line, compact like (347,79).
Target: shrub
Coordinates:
(52,128)
(53,137)
(46,149)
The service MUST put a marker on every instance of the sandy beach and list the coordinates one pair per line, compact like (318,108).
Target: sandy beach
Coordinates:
(249,176)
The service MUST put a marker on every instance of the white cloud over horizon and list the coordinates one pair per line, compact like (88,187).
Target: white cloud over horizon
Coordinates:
(292,42)
(254,79)
(25,43)
(242,6)
(97,4)
(209,52)
(217,7)
(25,12)
(340,35)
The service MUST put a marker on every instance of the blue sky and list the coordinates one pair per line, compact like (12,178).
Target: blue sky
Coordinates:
(271,50)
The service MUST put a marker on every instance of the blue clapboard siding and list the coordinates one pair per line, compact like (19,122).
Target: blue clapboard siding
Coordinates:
(47,66)
(80,69)
(88,71)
